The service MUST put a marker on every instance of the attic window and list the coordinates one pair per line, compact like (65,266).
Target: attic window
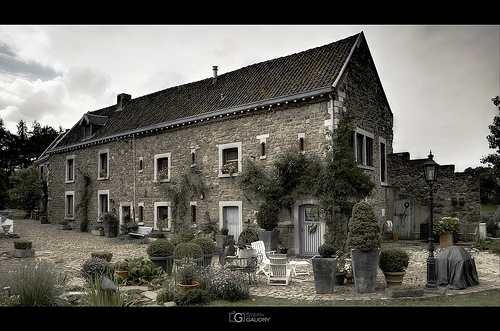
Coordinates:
(90,123)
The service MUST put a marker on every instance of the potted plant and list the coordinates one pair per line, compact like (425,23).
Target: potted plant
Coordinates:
(393,263)
(187,273)
(189,251)
(324,267)
(268,219)
(445,227)
(208,247)
(221,239)
(22,248)
(121,268)
(161,254)
(110,223)
(364,240)
(98,231)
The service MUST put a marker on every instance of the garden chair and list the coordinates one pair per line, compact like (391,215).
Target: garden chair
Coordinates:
(278,270)
(261,249)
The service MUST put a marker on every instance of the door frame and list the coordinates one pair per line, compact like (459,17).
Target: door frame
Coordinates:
(238,204)
(297,241)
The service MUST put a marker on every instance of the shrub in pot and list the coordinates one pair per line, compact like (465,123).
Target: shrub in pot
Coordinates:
(208,247)
(110,224)
(324,267)
(188,251)
(22,248)
(121,268)
(187,272)
(161,254)
(393,263)
(364,240)
(268,220)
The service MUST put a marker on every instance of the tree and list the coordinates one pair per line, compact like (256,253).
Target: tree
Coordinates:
(27,189)
(494,141)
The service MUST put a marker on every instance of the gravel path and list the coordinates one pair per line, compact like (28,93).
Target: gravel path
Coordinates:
(70,249)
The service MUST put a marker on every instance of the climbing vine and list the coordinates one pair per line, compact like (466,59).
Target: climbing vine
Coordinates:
(191,186)
(84,201)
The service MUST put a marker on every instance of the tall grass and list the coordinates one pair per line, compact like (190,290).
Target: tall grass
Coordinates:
(96,297)
(38,284)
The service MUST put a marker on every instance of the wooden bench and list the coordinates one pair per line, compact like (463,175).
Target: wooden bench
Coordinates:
(142,231)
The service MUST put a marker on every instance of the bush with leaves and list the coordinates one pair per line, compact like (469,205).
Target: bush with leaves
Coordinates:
(94,267)
(364,229)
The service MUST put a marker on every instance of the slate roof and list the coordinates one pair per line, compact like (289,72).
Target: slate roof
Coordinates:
(276,79)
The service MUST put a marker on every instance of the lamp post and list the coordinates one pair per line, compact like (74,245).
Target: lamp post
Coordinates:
(430,175)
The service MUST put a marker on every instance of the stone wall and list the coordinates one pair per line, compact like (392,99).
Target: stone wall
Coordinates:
(458,194)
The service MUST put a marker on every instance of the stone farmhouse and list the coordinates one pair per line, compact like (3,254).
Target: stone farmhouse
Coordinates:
(117,157)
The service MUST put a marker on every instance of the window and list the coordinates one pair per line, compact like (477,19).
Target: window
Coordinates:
(263,141)
(193,211)
(141,214)
(70,169)
(301,138)
(103,161)
(141,164)
(362,144)
(383,160)
(162,215)
(229,159)
(69,205)
(162,167)
(102,203)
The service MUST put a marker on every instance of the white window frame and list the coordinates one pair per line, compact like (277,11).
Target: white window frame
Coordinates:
(99,207)
(383,170)
(168,156)
(169,212)
(365,134)
(263,140)
(99,168)
(224,147)
(67,172)
(66,215)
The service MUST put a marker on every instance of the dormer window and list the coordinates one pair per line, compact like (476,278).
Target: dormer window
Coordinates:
(90,123)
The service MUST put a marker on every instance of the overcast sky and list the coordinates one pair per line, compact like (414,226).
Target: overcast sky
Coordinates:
(439,80)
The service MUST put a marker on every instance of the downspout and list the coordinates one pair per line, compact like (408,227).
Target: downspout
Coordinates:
(135,172)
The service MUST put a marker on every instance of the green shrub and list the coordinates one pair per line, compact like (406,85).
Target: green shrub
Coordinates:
(268,216)
(142,272)
(192,297)
(22,244)
(94,267)
(364,229)
(207,245)
(187,250)
(185,235)
(167,293)
(128,227)
(38,284)
(103,255)
(393,260)
(160,248)
(326,250)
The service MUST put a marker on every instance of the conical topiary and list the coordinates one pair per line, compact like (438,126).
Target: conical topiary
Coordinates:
(364,229)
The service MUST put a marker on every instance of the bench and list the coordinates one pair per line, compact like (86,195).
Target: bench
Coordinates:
(142,231)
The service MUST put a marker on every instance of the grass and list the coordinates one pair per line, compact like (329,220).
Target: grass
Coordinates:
(487,299)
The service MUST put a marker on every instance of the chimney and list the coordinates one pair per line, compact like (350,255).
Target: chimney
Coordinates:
(122,100)
(215,74)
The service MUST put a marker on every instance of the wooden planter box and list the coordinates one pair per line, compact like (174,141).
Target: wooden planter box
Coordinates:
(98,232)
(21,253)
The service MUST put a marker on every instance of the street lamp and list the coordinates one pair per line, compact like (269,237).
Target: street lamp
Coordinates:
(430,175)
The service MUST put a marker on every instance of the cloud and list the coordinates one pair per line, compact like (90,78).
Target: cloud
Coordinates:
(90,81)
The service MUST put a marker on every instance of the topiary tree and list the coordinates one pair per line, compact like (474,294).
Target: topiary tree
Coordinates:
(364,229)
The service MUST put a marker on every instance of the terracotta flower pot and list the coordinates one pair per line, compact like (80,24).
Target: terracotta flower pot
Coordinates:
(184,288)
(446,239)
(122,273)
(394,278)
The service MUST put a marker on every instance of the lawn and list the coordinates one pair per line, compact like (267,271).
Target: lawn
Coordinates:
(487,299)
